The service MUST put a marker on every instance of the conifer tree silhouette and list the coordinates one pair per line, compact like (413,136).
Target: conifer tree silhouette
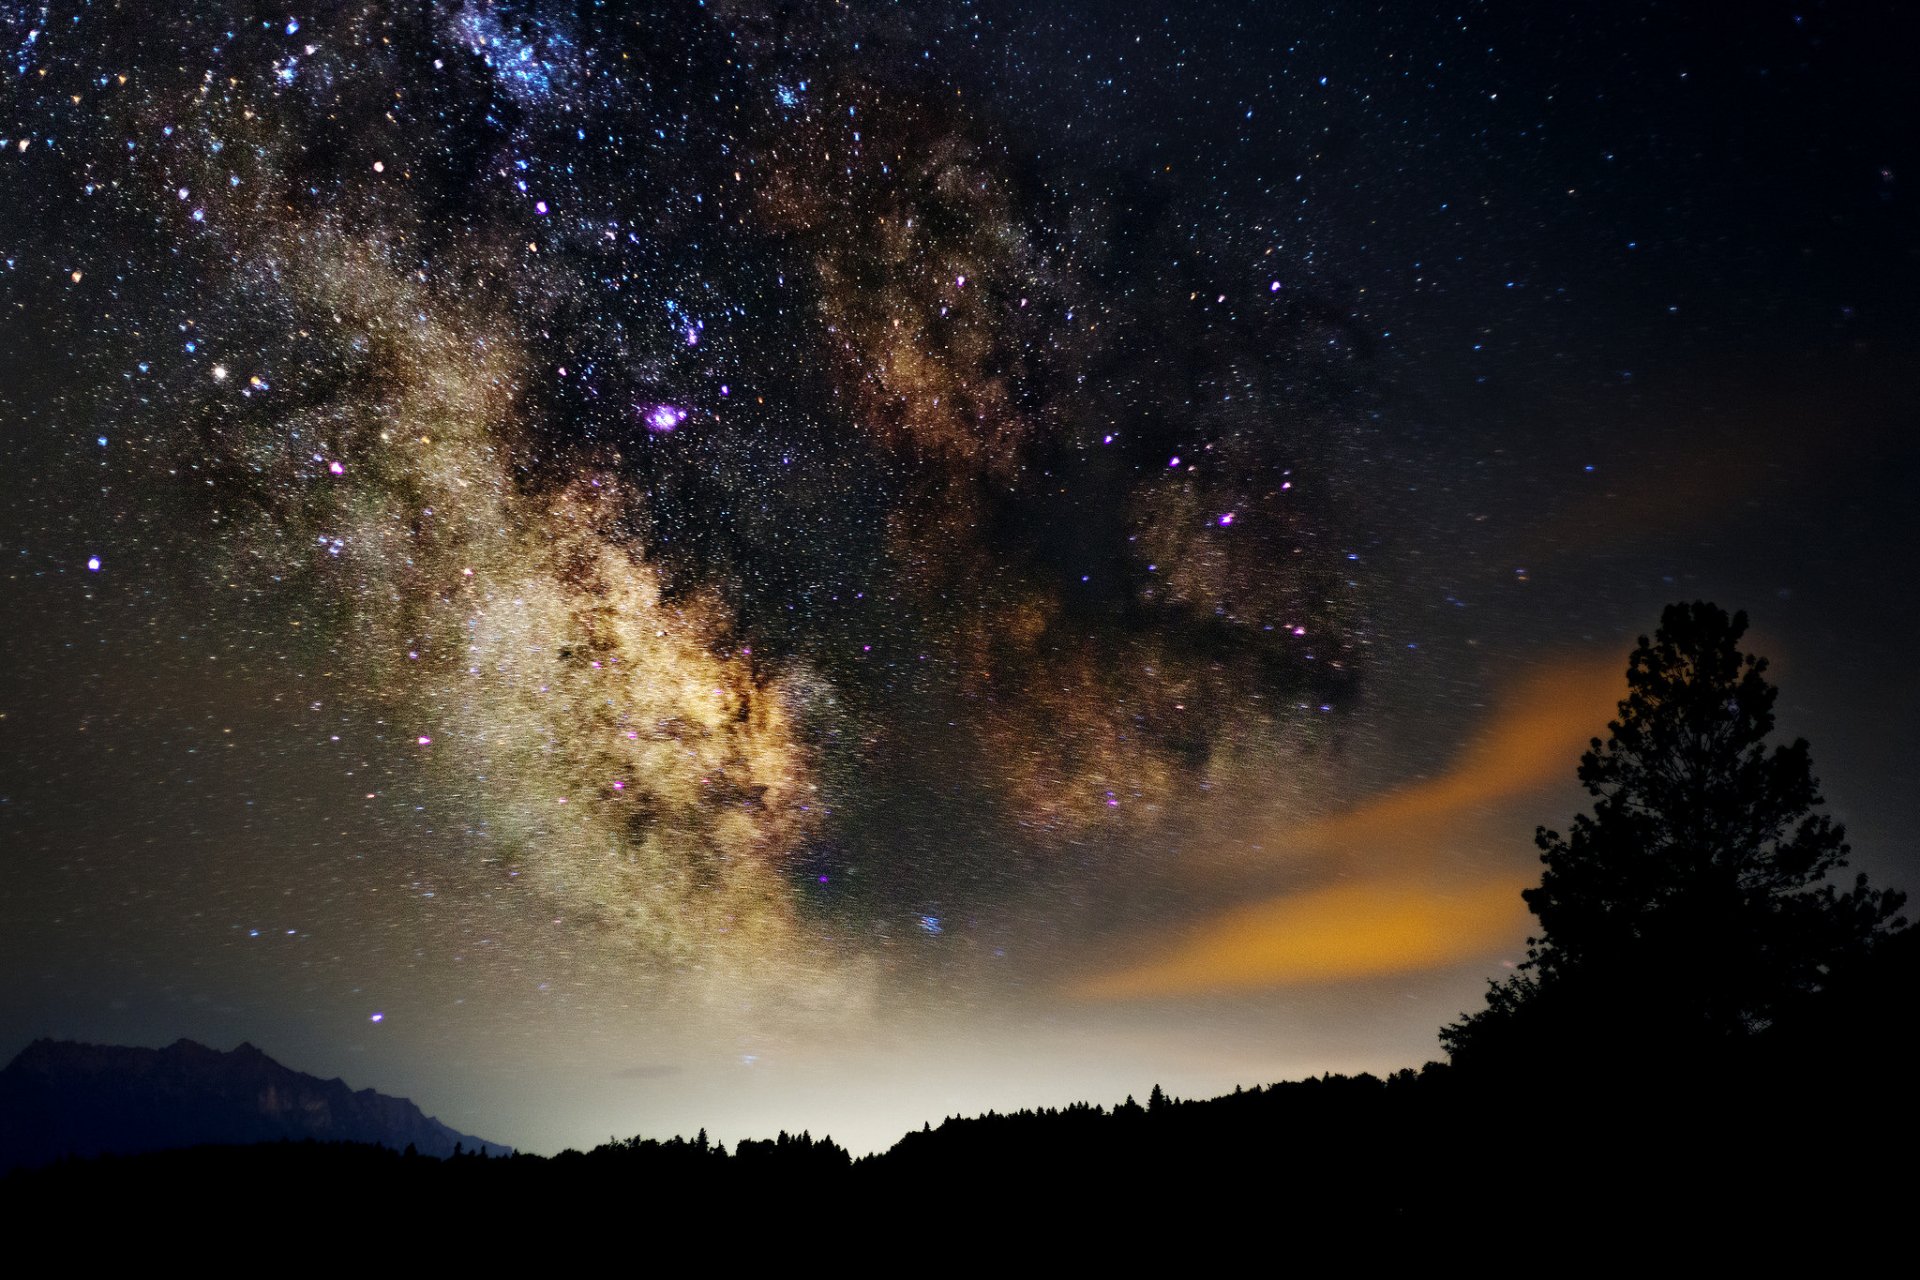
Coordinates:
(1694,899)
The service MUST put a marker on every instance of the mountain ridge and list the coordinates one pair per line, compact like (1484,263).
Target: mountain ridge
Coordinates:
(63,1098)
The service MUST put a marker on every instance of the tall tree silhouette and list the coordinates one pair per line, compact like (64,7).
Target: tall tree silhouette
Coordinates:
(1694,900)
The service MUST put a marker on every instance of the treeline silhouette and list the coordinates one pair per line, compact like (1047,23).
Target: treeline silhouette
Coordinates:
(1800,1117)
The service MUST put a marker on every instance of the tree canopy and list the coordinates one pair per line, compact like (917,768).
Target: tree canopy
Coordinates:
(1695,900)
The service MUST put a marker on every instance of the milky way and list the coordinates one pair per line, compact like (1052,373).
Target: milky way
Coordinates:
(703,441)
(735,558)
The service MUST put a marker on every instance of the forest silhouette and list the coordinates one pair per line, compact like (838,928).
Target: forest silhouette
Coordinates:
(1708,1043)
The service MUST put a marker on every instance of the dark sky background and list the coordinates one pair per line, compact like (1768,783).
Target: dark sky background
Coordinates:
(628,568)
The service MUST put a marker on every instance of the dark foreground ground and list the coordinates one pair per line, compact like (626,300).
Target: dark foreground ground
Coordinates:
(1419,1166)
(1795,1148)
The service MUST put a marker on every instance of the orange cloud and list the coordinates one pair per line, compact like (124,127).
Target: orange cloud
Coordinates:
(1336,933)
(1399,916)
(1535,741)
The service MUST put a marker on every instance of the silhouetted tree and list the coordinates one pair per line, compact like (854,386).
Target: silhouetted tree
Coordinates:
(1694,899)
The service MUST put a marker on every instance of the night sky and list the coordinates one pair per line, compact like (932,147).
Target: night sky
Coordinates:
(626,568)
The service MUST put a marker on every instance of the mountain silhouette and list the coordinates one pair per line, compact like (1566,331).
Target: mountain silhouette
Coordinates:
(59,1098)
